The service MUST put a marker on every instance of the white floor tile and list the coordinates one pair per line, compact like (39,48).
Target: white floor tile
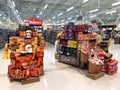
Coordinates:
(59,76)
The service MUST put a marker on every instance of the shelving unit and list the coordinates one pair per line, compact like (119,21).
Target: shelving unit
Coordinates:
(3,37)
(50,35)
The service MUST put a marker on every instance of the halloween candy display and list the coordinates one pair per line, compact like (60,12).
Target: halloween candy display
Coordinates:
(26,55)
(68,45)
(80,48)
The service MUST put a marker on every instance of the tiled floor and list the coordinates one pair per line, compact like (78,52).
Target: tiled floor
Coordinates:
(59,76)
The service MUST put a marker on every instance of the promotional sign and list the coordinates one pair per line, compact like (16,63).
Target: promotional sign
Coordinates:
(34,21)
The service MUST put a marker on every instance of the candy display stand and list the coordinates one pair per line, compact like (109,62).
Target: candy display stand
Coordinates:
(26,55)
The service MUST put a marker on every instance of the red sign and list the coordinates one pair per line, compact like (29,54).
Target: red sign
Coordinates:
(34,21)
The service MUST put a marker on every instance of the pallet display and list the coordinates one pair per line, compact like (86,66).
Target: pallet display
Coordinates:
(95,76)
(70,44)
(85,53)
(96,56)
(27,52)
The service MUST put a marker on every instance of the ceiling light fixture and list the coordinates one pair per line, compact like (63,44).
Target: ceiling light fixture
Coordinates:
(57,21)
(77,15)
(4,18)
(45,6)
(13,3)
(0,15)
(16,11)
(69,9)
(93,16)
(60,14)
(69,18)
(38,16)
(7,19)
(63,20)
(62,24)
(53,17)
(116,3)
(84,1)
(34,9)
(40,12)
(18,15)
(101,21)
(73,20)
(86,21)
(49,20)
(111,12)
(95,10)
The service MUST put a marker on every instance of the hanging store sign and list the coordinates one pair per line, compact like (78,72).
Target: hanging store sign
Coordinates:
(34,21)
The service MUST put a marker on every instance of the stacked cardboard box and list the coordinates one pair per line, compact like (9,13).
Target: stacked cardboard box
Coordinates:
(27,52)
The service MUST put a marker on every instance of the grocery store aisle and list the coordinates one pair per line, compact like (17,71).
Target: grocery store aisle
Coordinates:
(59,76)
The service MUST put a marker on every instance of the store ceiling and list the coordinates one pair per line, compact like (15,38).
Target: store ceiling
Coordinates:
(59,11)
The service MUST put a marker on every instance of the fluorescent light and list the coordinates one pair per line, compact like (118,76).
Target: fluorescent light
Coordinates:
(49,20)
(77,15)
(34,9)
(73,20)
(86,21)
(0,15)
(13,3)
(60,14)
(95,10)
(101,21)
(62,23)
(45,6)
(16,11)
(38,16)
(40,12)
(69,18)
(8,20)
(93,16)
(70,9)
(116,3)
(110,12)
(108,18)
(57,21)
(18,15)
(53,17)
(63,20)
(84,1)
(4,18)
